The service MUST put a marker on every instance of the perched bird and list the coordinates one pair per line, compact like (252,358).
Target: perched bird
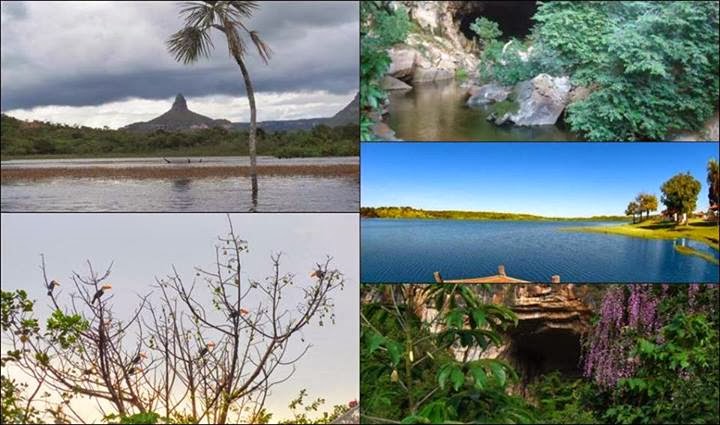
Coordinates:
(100,292)
(139,358)
(53,283)
(209,346)
(235,314)
(135,369)
(319,273)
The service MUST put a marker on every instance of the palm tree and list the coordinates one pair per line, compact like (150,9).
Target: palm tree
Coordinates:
(193,42)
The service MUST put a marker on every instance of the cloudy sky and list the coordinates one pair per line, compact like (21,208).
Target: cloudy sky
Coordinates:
(143,246)
(105,63)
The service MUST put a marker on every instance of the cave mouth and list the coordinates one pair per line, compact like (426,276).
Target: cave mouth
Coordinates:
(513,17)
(535,354)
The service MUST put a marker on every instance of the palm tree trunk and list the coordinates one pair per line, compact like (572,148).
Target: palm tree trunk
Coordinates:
(253,126)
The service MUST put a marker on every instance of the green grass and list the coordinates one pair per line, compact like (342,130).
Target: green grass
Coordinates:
(690,251)
(698,230)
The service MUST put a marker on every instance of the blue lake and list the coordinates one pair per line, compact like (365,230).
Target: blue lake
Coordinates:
(396,250)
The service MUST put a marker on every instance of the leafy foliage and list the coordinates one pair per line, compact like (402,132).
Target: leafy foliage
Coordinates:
(381,26)
(485,29)
(652,66)
(20,139)
(561,400)
(411,369)
(680,193)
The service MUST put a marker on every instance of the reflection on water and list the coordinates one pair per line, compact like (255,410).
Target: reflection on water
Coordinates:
(437,111)
(411,250)
(195,161)
(276,193)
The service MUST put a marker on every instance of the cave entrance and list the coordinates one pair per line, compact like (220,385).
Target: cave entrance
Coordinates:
(535,354)
(513,17)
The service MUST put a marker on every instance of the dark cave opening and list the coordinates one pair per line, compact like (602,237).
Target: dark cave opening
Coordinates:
(513,17)
(550,350)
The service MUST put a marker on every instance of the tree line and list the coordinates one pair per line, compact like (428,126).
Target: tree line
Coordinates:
(26,139)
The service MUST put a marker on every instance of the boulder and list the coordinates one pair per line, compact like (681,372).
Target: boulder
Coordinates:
(402,61)
(392,83)
(429,75)
(541,100)
(489,93)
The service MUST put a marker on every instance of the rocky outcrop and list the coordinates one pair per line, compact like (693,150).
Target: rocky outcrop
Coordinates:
(392,83)
(486,94)
(541,101)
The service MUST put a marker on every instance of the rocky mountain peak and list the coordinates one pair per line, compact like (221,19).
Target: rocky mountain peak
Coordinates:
(180,103)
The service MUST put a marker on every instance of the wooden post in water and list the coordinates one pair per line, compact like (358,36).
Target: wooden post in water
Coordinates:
(438,277)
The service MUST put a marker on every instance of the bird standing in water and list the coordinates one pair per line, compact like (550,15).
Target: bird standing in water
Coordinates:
(100,292)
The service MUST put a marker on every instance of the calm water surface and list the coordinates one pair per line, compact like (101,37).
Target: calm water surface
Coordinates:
(276,193)
(411,250)
(434,112)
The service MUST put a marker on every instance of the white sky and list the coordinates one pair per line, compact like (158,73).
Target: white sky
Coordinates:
(146,245)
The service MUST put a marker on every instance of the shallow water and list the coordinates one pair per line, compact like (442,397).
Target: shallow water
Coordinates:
(411,250)
(275,193)
(437,112)
(195,161)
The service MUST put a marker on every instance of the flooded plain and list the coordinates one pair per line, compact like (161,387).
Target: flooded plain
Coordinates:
(276,193)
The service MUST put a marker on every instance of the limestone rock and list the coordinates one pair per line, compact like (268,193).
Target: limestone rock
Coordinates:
(541,100)
(392,83)
(486,94)
(402,61)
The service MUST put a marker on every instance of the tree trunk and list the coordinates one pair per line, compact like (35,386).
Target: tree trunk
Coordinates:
(253,126)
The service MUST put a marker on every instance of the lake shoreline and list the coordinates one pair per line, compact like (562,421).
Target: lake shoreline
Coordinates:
(643,231)
(175,171)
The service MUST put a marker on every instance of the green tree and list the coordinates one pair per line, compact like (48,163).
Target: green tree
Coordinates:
(652,67)
(194,41)
(486,30)
(646,202)
(632,209)
(713,181)
(680,195)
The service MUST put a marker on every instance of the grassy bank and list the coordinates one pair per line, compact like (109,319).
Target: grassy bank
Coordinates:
(409,212)
(697,230)
(176,172)
(690,251)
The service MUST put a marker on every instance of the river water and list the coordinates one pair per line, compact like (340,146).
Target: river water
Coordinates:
(275,193)
(395,250)
(437,112)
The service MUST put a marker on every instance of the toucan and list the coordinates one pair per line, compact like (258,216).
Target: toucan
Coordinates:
(53,283)
(100,292)
(319,273)
(139,358)
(235,314)
(207,348)
(133,370)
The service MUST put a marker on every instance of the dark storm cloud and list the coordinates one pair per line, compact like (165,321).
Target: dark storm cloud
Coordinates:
(71,54)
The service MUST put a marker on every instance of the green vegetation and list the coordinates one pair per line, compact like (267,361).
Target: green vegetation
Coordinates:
(690,251)
(652,67)
(20,139)
(486,30)
(381,26)
(651,355)
(408,370)
(680,194)
(409,212)
(698,230)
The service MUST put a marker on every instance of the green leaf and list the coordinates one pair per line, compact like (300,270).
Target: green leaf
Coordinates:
(457,378)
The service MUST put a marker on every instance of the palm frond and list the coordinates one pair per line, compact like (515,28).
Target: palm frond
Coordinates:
(189,44)
(263,49)
(244,8)
(200,13)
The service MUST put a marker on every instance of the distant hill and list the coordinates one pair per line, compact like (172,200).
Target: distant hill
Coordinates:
(180,118)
